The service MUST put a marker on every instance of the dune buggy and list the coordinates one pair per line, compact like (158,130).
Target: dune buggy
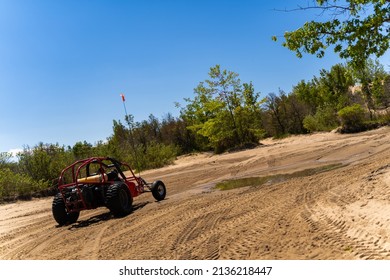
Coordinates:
(99,181)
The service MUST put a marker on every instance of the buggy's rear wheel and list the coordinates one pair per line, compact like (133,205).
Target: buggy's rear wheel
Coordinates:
(60,213)
(158,190)
(119,200)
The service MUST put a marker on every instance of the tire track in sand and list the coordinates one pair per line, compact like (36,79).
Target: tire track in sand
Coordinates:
(326,214)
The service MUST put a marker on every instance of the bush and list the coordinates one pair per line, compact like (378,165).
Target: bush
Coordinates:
(44,161)
(325,119)
(154,155)
(311,123)
(159,155)
(352,118)
(14,185)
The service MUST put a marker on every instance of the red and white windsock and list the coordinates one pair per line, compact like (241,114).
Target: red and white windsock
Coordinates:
(123,97)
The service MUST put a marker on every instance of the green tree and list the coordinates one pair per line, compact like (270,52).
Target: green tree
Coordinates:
(308,93)
(118,144)
(82,150)
(386,90)
(275,106)
(140,145)
(371,77)
(219,113)
(44,161)
(334,86)
(356,29)
(249,114)
(225,86)
(297,111)
(174,132)
(330,89)
(5,159)
(284,114)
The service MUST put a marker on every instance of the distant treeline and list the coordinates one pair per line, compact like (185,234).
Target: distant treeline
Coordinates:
(225,114)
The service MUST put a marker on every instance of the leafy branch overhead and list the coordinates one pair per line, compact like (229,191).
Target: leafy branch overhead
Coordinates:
(356,29)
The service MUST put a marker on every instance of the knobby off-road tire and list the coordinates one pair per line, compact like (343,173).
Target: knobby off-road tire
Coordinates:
(158,190)
(119,200)
(60,213)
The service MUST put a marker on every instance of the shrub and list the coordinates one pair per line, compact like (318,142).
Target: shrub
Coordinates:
(14,185)
(158,155)
(311,124)
(325,119)
(352,118)
(154,155)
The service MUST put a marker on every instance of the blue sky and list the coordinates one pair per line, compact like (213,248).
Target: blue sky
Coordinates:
(64,64)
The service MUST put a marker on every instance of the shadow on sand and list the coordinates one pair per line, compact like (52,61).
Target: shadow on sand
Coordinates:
(103,217)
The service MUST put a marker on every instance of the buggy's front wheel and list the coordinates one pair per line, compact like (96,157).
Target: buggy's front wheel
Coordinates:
(158,190)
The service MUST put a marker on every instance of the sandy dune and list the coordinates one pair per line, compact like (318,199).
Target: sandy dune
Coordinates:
(343,213)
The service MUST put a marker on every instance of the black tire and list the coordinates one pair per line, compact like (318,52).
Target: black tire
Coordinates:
(60,213)
(158,190)
(119,200)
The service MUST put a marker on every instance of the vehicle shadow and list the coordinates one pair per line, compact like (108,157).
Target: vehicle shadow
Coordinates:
(104,217)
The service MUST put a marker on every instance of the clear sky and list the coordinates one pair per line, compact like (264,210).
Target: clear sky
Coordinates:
(64,64)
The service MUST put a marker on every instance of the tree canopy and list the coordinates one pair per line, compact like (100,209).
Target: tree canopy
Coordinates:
(224,113)
(356,29)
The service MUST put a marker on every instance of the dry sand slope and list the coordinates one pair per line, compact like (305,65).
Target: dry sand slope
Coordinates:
(343,213)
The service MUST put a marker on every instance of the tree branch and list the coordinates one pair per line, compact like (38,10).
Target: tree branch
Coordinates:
(328,7)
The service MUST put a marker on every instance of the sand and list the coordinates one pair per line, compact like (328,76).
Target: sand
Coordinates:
(341,213)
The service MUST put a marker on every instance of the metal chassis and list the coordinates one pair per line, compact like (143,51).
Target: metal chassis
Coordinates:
(135,184)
